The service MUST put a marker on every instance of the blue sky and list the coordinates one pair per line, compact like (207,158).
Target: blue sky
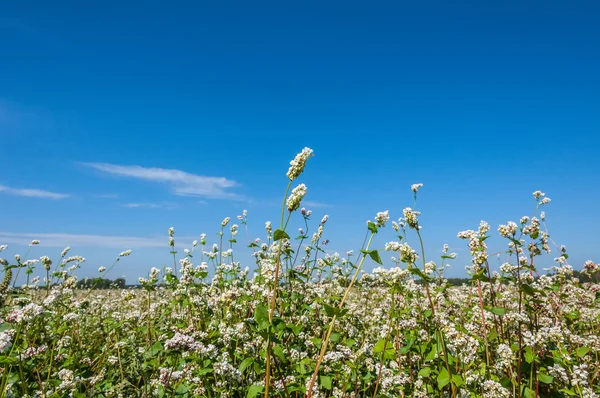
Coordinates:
(118,121)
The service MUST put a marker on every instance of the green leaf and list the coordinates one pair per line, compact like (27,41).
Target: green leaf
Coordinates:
(528,393)
(329,310)
(529,355)
(326,382)
(295,328)
(567,391)
(253,391)
(374,254)
(432,353)
(425,372)
(4,360)
(245,363)
(280,234)
(405,349)
(316,341)
(527,289)
(372,227)
(545,378)
(261,314)
(278,351)
(182,389)
(498,310)
(582,351)
(443,378)
(418,272)
(379,347)
(457,380)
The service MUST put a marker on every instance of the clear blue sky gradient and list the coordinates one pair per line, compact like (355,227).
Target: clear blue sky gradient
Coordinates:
(483,102)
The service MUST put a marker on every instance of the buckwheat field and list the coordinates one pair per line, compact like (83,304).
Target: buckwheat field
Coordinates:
(296,321)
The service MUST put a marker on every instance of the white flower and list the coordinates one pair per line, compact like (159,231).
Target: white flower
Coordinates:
(101,269)
(154,272)
(125,253)
(298,193)
(65,251)
(225,222)
(46,262)
(297,165)
(34,242)
(410,216)
(415,187)
(3,247)
(382,218)
(510,229)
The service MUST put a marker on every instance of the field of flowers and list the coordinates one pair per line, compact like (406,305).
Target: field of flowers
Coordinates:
(302,322)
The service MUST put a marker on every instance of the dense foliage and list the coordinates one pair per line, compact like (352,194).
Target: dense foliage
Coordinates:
(305,322)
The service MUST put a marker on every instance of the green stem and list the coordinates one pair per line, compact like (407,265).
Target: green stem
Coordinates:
(325,343)
(274,296)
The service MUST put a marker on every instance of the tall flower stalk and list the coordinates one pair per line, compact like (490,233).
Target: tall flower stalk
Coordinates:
(291,203)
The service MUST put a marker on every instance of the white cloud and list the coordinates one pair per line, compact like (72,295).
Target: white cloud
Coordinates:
(313,203)
(32,193)
(181,182)
(18,119)
(105,241)
(138,205)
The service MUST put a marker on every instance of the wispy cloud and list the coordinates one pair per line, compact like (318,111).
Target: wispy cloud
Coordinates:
(108,196)
(32,193)
(168,206)
(145,205)
(105,241)
(315,204)
(181,182)
(19,118)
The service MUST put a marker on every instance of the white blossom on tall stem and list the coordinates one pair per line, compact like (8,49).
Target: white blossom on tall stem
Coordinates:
(382,218)
(415,187)
(298,163)
(298,193)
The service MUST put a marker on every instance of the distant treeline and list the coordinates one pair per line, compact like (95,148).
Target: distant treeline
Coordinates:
(583,278)
(101,283)
(119,283)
